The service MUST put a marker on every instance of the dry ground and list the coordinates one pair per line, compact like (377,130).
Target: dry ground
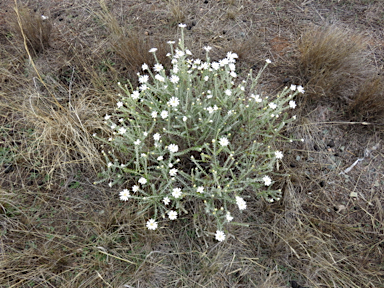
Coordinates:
(58,79)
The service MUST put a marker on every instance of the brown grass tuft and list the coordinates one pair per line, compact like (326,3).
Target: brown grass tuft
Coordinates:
(177,12)
(331,60)
(368,101)
(62,136)
(31,28)
(133,46)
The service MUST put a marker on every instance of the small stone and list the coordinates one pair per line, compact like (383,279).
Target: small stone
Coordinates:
(353,195)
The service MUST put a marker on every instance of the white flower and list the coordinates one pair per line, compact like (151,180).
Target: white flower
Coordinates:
(233,74)
(135,188)
(145,134)
(256,98)
(207,48)
(154,114)
(220,236)
(174,79)
(224,62)
(210,109)
(164,114)
(179,53)
(143,79)
(293,87)
(160,158)
(181,25)
(158,67)
(228,92)
(279,155)
(215,65)
(109,164)
(231,56)
(156,137)
(300,89)
(144,67)
(122,130)
(200,189)
(230,112)
(135,94)
(175,69)
(176,192)
(241,203)
(188,52)
(172,215)
(185,118)
(151,224)
(204,66)
(119,104)
(174,102)
(106,117)
(113,126)
(110,184)
(124,195)
(173,172)
(232,67)
(173,148)
(143,87)
(152,50)
(272,105)
(159,78)
(206,78)
(268,61)
(223,141)
(137,142)
(267,180)
(166,200)
(292,104)
(142,180)
(229,217)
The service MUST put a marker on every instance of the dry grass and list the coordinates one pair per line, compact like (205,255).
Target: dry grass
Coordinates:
(133,46)
(72,233)
(368,101)
(332,61)
(177,12)
(31,28)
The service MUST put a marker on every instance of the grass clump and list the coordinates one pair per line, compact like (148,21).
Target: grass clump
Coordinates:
(177,12)
(192,133)
(131,45)
(31,28)
(368,101)
(331,61)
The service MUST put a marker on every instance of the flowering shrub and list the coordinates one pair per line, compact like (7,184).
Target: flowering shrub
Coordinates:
(194,131)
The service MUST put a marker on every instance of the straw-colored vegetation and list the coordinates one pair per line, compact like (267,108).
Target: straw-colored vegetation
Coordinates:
(58,79)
